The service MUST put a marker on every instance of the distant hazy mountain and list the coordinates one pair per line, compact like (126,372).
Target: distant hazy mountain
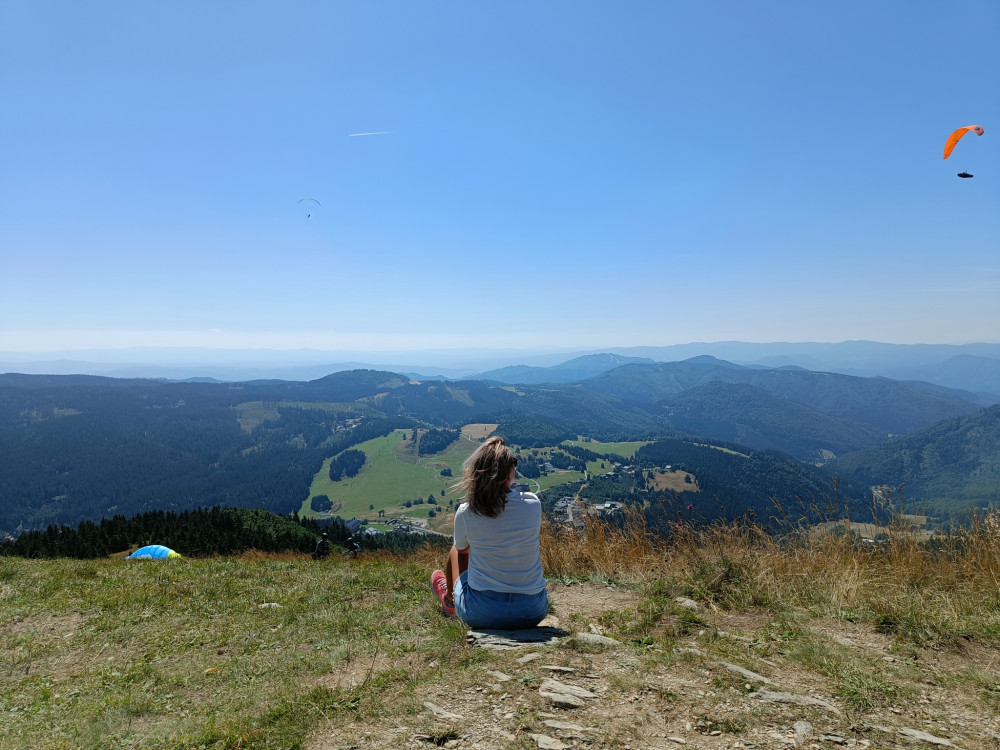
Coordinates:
(965,371)
(572,371)
(973,372)
(887,405)
(970,367)
(222,372)
(942,364)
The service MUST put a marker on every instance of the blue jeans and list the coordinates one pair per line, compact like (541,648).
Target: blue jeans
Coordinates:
(498,609)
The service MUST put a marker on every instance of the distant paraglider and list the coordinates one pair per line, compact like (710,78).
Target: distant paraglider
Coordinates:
(956,136)
(309,206)
(965,175)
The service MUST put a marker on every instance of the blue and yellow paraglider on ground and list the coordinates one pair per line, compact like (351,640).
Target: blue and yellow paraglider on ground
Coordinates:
(154,552)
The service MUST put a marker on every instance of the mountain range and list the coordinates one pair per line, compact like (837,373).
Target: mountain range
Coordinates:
(973,367)
(89,444)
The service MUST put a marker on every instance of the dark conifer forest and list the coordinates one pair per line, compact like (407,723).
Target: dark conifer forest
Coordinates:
(198,533)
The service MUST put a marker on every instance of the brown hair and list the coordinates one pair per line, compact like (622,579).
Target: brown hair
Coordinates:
(484,477)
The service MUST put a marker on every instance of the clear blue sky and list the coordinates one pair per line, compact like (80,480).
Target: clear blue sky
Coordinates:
(554,173)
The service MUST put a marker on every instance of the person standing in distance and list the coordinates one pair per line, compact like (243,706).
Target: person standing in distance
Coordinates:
(322,550)
(493,577)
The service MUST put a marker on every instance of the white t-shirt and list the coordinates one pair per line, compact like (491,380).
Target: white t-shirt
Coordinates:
(503,551)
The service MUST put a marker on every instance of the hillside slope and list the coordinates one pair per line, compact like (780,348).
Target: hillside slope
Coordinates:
(957,459)
(887,405)
(748,415)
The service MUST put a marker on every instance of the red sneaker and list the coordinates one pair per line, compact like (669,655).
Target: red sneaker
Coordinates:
(439,585)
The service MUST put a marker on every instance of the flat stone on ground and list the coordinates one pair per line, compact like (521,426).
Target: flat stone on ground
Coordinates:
(502,640)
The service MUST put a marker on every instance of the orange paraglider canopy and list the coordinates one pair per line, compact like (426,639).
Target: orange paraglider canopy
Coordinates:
(957,136)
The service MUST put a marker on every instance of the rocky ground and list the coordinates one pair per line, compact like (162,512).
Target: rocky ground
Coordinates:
(751,679)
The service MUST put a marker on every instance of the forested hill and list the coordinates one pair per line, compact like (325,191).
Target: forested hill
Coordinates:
(770,488)
(750,416)
(949,466)
(889,406)
(203,531)
(70,452)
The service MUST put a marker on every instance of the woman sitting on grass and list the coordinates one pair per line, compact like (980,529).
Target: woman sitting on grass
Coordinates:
(493,578)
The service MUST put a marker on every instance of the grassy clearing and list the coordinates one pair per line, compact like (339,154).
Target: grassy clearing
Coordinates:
(625,449)
(253,413)
(914,526)
(553,479)
(724,450)
(393,475)
(675,481)
(479,430)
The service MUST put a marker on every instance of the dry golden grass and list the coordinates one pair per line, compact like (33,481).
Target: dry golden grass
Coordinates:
(628,553)
(938,589)
(674,481)
(479,431)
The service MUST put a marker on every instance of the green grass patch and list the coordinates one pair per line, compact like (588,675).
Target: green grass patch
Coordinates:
(866,690)
(554,479)
(182,654)
(724,450)
(625,449)
(392,475)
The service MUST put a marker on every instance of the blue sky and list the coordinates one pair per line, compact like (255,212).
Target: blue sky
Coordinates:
(572,174)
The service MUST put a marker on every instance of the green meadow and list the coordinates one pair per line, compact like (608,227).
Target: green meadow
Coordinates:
(393,474)
(552,480)
(625,449)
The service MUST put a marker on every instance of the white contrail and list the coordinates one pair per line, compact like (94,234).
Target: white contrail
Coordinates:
(377,132)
